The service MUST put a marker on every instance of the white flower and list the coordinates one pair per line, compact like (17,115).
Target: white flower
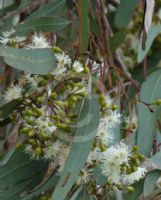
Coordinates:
(31,79)
(111,160)
(113,118)
(62,60)
(43,123)
(38,42)
(6,37)
(12,93)
(4,41)
(52,151)
(129,179)
(107,123)
(93,155)
(7,34)
(29,151)
(77,66)
(84,176)
(59,72)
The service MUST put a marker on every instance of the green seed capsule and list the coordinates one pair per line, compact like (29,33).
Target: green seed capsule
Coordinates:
(25,130)
(38,151)
(134,149)
(53,95)
(40,99)
(32,141)
(130,189)
(28,112)
(31,133)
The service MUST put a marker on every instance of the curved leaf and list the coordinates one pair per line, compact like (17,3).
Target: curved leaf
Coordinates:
(152,33)
(79,149)
(150,182)
(124,13)
(44,24)
(146,119)
(33,61)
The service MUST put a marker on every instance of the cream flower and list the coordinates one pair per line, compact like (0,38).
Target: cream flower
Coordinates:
(38,42)
(129,179)
(84,176)
(77,66)
(111,160)
(62,60)
(12,93)
(52,151)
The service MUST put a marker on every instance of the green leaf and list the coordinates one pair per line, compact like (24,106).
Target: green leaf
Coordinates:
(19,168)
(8,108)
(52,8)
(84,137)
(150,182)
(49,184)
(20,174)
(117,39)
(97,173)
(84,195)
(83,25)
(33,61)
(152,33)
(138,191)
(44,24)
(156,160)
(124,13)
(146,119)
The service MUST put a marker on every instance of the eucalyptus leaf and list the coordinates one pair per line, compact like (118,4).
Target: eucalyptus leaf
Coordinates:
(124,13)
(152,34)
(147,128)
(33,61)
(52,8)
(150,182)
(81,149)
(43,24)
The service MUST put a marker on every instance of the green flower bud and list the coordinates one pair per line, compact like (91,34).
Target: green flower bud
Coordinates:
(59,103)
(29,121)
(134,149)
(73,115)
(25,130)
(119,186)
(130,189)
(37,111)
(53,95)
(41,99)
(38,151)
(32,141)
(28,112)
(31,133)
(156,102)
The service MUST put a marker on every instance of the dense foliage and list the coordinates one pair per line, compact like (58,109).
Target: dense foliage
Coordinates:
(80,100)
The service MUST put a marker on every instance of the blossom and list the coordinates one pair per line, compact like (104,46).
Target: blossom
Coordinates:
(12,93)
(93,155)
(51,151)
(133,177)
(111,159)
(43,123)
(77,66)
(32,80)
(107,123)
(62,59)
(29,151)
(84,176)
(38,42)
(6,37)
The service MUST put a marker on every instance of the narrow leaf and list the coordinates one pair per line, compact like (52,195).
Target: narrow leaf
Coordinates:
(85,134)
(33,61)
(44,24)
(147,120)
